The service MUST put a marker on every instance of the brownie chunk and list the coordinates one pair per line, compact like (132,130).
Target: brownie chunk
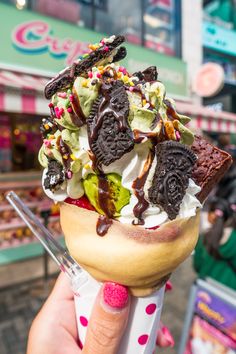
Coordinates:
(211,165)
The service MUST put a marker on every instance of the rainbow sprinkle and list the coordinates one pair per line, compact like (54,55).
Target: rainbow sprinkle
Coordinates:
(62,94)
(71,98)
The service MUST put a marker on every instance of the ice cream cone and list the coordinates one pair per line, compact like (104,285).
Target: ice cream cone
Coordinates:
(129,255)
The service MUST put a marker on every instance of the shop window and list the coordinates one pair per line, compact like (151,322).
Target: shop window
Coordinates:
(120,17)
(20,140)
(67,10)
(160,19)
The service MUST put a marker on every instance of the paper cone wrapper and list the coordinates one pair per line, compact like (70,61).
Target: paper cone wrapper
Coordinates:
(141,331)
(133,256)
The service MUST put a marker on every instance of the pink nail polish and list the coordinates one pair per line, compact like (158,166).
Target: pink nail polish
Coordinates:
(115,295)
(168,336)
(169,286)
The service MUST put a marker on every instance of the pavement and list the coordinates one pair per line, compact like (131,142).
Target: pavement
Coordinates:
(19,303)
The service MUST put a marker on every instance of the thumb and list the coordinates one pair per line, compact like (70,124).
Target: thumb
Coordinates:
(108,320)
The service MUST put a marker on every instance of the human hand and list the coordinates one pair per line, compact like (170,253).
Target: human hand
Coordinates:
(54,330)
(164,337)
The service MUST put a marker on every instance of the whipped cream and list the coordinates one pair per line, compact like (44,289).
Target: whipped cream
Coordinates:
(155,216)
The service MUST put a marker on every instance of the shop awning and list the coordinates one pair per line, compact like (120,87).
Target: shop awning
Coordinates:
(22,93)
(206,119)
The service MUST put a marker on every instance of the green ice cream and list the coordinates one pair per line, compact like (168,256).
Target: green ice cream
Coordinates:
(152,103)
(86,93)
(118,195)
(65,118)
(140,117)
(51,150)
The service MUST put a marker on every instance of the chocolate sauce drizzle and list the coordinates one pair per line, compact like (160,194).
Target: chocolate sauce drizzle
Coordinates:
(104,200)
(155,121)
(170,111)
(77,110)
(76,119)
(138,186)
(65,153)
(106,204)
(103,225)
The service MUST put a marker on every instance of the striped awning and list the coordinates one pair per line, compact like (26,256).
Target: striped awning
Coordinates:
(22,93)
(206,119)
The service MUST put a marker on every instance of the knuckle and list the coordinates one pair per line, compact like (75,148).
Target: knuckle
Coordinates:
(104,332)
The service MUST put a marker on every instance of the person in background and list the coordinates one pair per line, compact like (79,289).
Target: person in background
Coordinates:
(215,253)
(227,186)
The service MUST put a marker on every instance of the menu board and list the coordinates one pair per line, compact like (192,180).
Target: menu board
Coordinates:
(210,323)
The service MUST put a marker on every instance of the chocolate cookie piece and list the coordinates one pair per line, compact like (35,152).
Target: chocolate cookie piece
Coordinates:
(55,175)
(109,134)
(174,166)
(47,126)
(212,164)
(148,75)
(120,55)
(81,67)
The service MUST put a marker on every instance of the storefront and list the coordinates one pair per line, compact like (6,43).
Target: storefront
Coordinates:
(155,24)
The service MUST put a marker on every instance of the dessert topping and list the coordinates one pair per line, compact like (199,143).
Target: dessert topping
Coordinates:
(110,136)
(174,166)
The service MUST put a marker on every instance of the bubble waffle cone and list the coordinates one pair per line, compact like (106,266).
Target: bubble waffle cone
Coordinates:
(130,255)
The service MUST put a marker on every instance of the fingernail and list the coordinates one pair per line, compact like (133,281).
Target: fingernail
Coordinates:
(115,295)
(169,286)
(168,336)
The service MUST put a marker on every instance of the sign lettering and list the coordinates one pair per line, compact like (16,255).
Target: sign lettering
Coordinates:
(35,37)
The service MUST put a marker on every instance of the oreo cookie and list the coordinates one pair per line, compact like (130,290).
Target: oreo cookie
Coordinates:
(66,77)
(55,175)
(109,133)
(174,167)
